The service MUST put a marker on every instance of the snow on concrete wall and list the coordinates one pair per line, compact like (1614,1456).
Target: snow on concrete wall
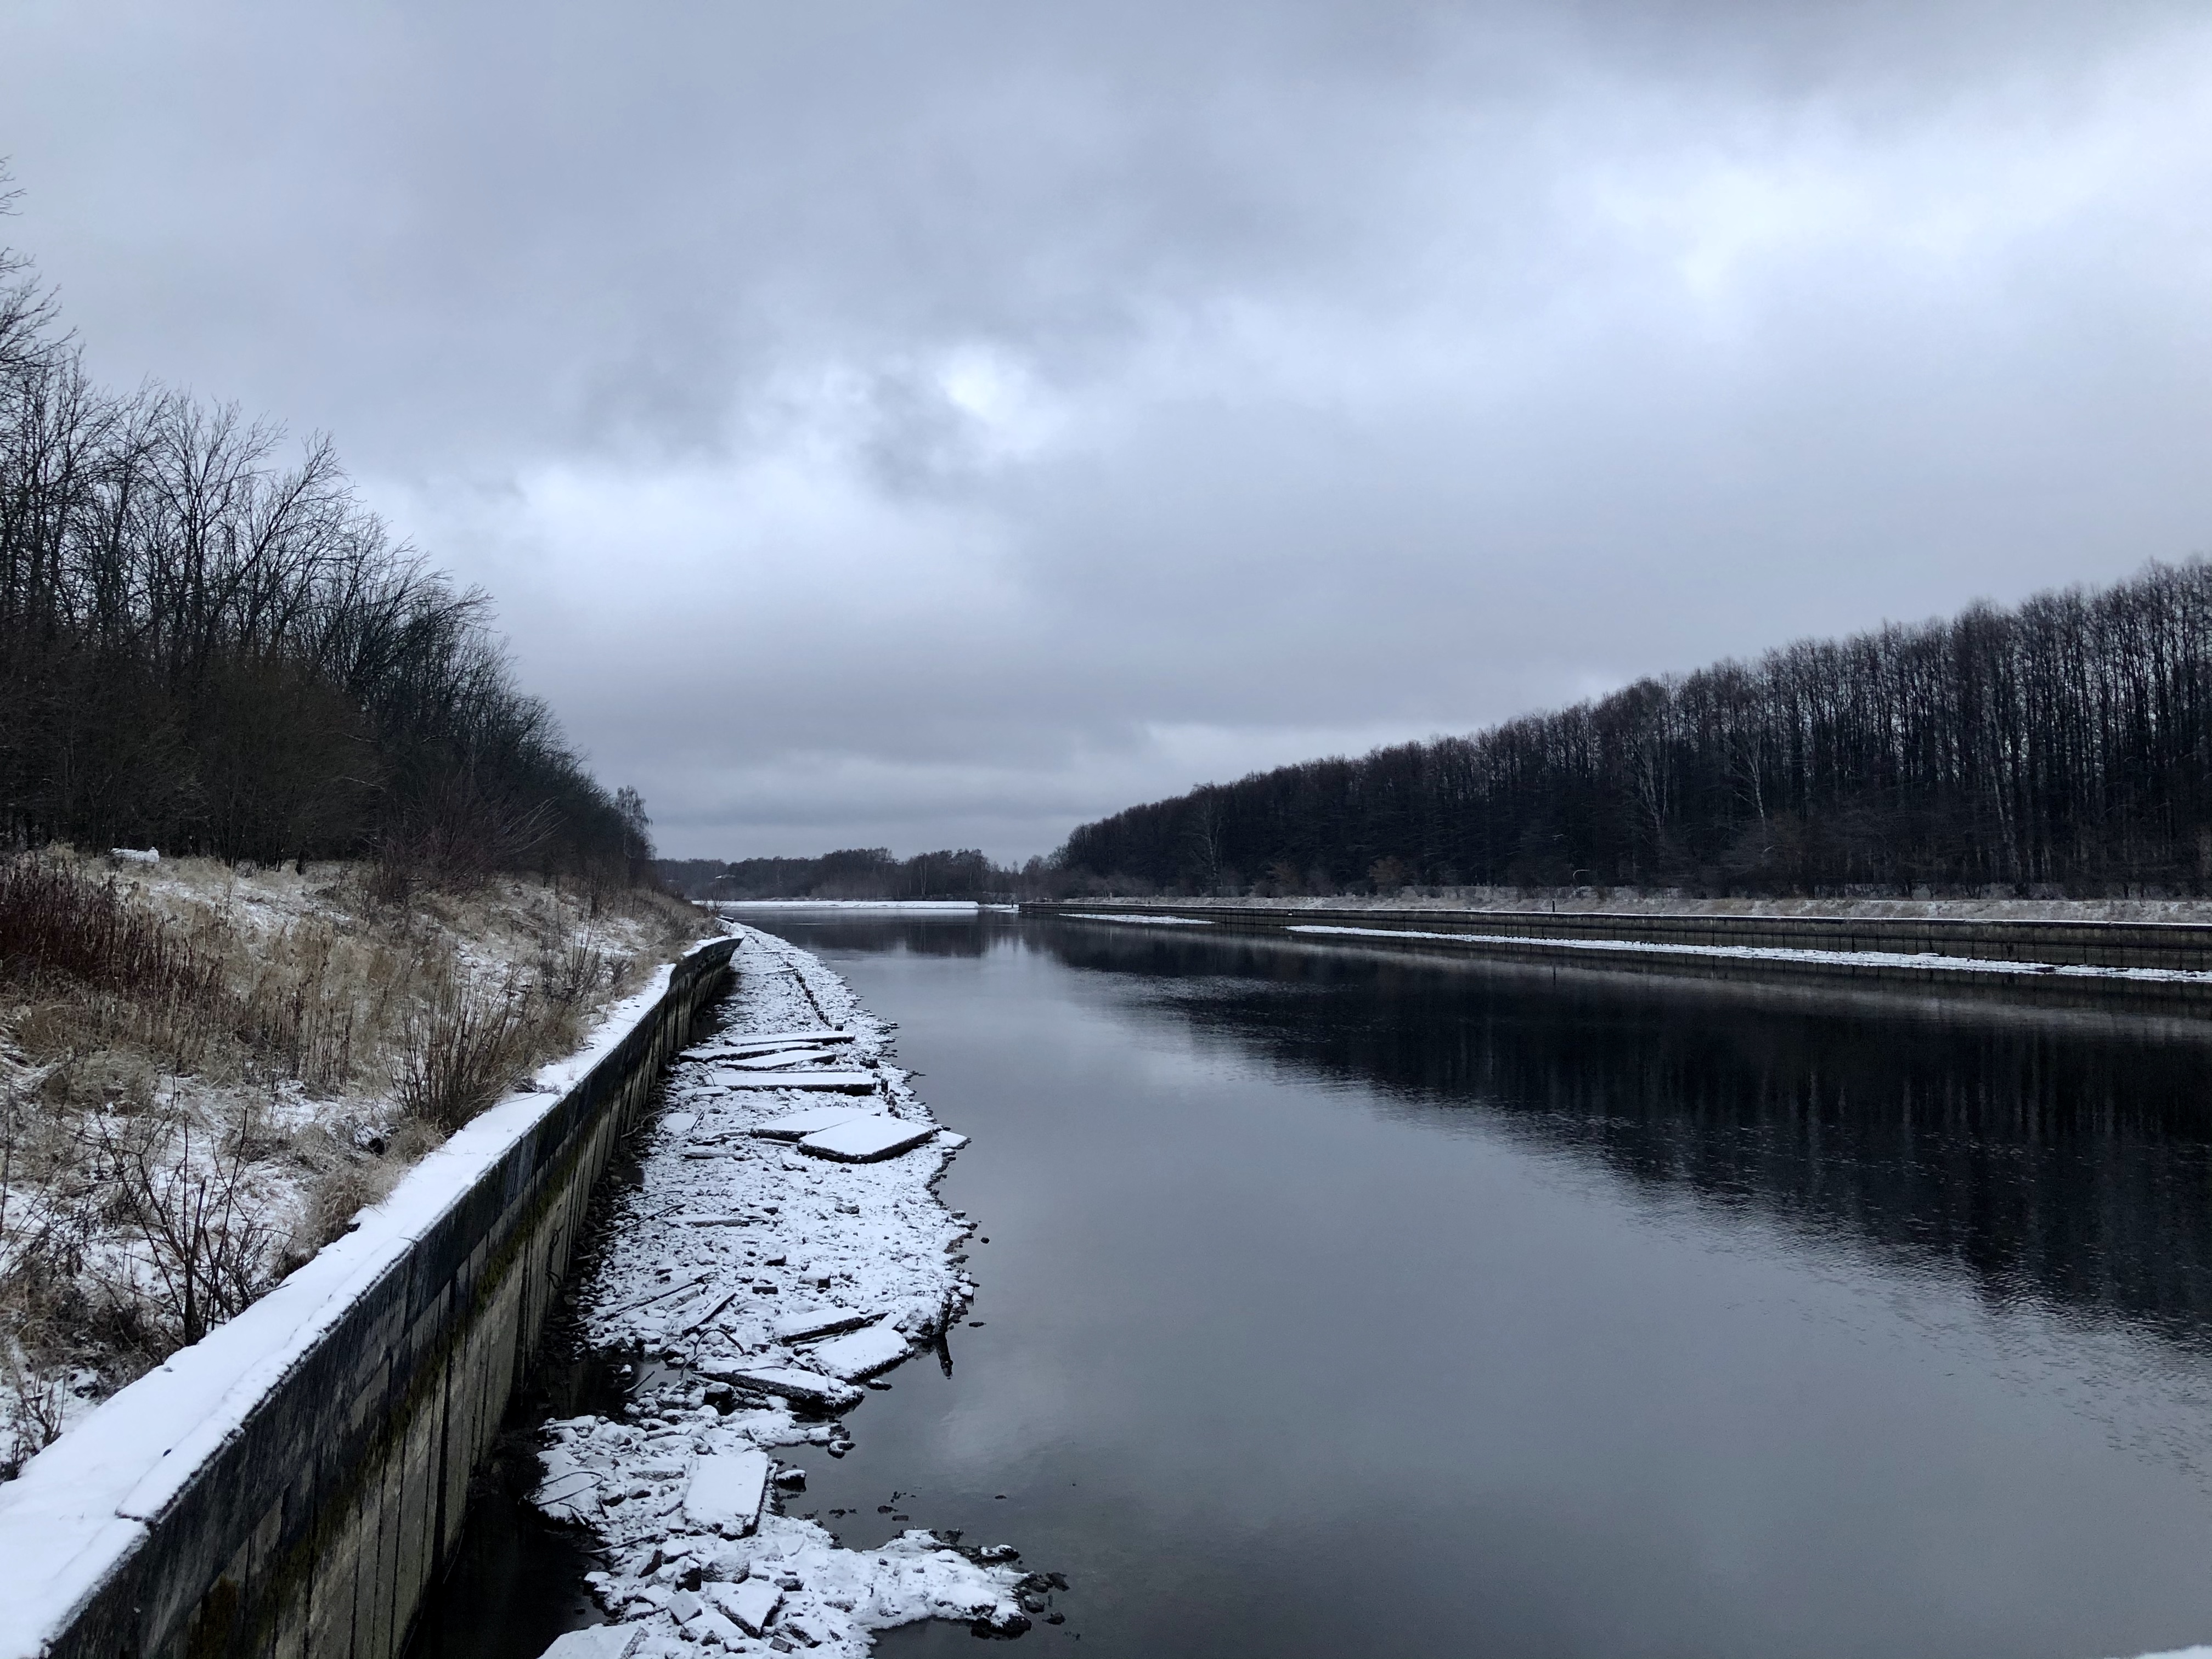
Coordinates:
(290,1483)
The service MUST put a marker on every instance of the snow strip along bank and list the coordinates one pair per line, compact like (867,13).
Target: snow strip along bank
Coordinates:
(779,1249)
(1924,962)
(2181,990)
(292,1483)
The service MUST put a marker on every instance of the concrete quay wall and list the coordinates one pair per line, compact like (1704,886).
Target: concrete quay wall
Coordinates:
(294,1484)
(2040,949)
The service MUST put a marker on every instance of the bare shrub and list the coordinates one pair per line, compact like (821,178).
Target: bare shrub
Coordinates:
(460,1054)
(41,1253)
(568,973)
(206,1247)
(35,1402)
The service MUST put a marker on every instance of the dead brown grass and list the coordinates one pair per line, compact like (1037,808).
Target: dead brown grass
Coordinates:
(211,1076)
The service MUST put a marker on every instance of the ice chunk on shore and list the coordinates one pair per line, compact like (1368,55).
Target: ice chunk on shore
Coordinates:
(863,1353)
(726,1489)
(865,1140)
(797,1126)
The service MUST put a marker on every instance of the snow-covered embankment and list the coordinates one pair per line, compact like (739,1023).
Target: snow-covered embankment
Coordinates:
(783,1243)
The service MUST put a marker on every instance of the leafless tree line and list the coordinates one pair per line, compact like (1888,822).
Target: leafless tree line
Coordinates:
(209,646)
(2064,746)
(858,873)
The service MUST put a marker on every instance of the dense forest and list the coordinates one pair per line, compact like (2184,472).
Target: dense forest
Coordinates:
(208,649)
(2063,747)
(860,873)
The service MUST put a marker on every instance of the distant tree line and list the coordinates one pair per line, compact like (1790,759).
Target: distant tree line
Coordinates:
(208,650)
(860,873)
(2064,746)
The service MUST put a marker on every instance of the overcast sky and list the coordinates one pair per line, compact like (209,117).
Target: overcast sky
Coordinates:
(934,425)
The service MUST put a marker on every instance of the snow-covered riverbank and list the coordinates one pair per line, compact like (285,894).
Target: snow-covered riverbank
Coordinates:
(776,1277)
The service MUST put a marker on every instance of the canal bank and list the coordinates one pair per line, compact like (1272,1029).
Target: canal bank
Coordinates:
(2160,968)
(294,1482)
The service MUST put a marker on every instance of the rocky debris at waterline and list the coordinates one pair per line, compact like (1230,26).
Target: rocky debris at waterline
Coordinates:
(723,1226)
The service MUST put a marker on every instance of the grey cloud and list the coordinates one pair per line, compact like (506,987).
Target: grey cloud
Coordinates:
(891,424)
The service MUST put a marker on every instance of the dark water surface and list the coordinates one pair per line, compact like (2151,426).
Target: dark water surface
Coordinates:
(1356,1302)
(1345,1302)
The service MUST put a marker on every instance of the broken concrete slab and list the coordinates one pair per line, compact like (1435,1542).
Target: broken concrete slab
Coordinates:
(599,1641)
(804,1324)
(568,1491)
(711,1626)
(797,1126)
(854,1082)
(782,1059)
(726,1490)
(693,1315)
(863,1353)
(865,1140)
(750,1603)
(812,1389)
(676,1125)
(725,1047)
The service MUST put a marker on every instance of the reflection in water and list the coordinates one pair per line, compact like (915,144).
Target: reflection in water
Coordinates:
(1360,1301)
(2064,1157)
(1352,1300)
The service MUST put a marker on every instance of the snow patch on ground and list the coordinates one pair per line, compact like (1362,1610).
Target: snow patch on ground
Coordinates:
(771,1277)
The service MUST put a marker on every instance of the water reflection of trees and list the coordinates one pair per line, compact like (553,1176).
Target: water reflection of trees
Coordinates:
(2067,1158)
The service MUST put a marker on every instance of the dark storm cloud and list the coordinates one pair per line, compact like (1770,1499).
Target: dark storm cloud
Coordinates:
(935,424)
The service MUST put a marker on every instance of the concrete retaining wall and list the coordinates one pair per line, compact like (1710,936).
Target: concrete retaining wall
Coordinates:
(2039,947)
(292,1484)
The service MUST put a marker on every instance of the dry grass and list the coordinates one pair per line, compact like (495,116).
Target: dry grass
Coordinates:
(206,1072)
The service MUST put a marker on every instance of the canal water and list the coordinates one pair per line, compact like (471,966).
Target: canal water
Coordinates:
(1343,1300)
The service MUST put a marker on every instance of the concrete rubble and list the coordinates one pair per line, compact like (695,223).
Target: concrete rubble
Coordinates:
(769,1282)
